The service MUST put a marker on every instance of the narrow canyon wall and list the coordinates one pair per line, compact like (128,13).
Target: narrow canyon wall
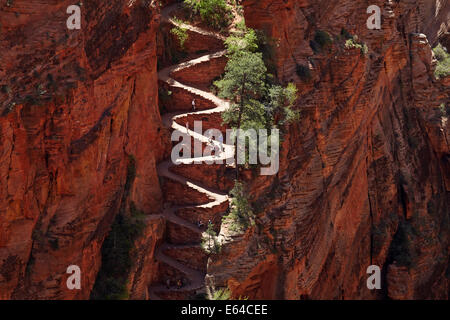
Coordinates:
(364,177)
(75,106)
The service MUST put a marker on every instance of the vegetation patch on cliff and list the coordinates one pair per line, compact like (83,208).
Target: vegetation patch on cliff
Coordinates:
(241,215)
(257,102)
(443,62)
(221,294)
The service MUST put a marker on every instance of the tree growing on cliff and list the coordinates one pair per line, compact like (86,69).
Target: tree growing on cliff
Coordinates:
(282,100)
(129,224)
(244,39)
(256,103)
(244,84)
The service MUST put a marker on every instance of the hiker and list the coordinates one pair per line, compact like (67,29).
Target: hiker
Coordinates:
(187,126)
(200,223)
(193,105)
(168,283)
(179,284)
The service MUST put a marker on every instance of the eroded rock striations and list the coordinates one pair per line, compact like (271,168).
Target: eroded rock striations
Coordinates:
(364,176)
(76,105)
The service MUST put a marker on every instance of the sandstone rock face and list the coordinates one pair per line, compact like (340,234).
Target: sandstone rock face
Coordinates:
(434,15)
(145,270)
(364,176)
(76,105)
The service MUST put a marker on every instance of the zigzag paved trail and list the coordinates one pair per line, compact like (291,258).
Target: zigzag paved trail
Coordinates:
(218,201)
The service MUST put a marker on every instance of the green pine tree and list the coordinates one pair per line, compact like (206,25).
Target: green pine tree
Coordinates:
(244,84)
(222,294)
(256,103)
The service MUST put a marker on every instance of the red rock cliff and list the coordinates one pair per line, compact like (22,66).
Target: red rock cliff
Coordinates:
(364,176)
(75,105)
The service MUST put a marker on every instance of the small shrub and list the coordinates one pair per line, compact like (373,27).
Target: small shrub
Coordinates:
(241,25)
(180,33)
(282,101)
(322,40)
(353,43)
(440,52)
(210,243)
(242,40)
(443,62)
(165,94)
(216,13)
